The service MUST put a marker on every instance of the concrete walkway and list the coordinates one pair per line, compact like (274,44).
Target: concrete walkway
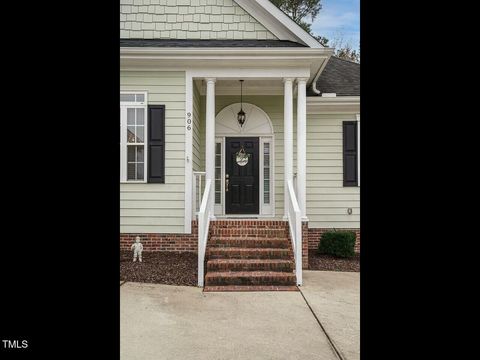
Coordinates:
(335,299)
(178,322)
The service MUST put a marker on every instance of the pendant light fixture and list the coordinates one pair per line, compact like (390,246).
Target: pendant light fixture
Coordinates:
(241,114)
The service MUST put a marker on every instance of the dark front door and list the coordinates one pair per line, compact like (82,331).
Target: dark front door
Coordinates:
(241,175)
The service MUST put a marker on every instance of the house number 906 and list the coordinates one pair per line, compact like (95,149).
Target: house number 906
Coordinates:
(189,121)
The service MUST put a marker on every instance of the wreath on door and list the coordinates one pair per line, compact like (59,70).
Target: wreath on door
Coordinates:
(242,157)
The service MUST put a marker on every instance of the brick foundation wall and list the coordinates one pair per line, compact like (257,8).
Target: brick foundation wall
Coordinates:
(314,235)
(163,242)
(188,242)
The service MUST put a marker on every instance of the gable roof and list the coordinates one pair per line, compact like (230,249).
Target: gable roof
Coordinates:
(189,19)
(206,43)
(277,22)
(220,19)
(339,76)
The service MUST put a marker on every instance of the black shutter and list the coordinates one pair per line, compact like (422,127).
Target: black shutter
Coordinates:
(156,144)
(350,148)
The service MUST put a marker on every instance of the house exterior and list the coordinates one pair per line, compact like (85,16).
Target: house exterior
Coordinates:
(188,167)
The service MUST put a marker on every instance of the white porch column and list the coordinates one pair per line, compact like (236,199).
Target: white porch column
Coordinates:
(210,138)
(302,146)
(287,137)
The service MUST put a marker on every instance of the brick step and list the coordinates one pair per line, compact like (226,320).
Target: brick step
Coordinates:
(247,253)
(229,288)
(250,278)
(232,223)
(249,232)
(248,242)
(250,265)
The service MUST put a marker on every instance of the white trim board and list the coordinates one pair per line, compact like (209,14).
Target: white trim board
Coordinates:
(188,151)
(277,22)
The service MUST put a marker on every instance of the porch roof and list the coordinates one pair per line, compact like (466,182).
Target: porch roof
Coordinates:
(339,76)
(207,43)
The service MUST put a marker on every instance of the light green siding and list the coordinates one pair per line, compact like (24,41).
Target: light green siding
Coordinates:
(188,19)
(327,199)
(159,208)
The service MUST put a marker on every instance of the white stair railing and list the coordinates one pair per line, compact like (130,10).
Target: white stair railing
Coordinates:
(203,228)
(197,191)
(295,225)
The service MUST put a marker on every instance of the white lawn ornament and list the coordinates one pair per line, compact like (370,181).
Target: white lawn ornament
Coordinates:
(137,248)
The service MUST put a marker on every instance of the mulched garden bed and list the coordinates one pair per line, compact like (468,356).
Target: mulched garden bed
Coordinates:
(331,263)
(160,268)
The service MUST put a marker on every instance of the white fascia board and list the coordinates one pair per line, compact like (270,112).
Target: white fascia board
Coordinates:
(141,58)
(277,22)
(319,100)
(339,104)
(224,52)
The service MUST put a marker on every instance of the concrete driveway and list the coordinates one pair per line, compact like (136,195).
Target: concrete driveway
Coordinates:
(335,299)
(178,322)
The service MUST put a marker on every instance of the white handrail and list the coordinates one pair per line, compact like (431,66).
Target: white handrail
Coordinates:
(203,227)
(295,226)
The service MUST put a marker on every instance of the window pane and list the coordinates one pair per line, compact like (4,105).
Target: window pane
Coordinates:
(131,171)
(131,134)
(139,171)
(131,153)
(130,116)
(266,160)
(266,173)
(140,134)
(127,97)
(140,116)
(139,153)
(140,97)
(218,173)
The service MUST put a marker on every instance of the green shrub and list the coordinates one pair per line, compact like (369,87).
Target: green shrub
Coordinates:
(337,243)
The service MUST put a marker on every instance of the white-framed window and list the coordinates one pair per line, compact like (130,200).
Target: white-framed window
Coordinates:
(266,173)
(218,173)
(219,187)
(266,176)
(133,136)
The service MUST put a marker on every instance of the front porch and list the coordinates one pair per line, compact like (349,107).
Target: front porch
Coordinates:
(252,171)
(272,131)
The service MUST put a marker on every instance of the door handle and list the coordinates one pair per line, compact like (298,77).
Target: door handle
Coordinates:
(226,182)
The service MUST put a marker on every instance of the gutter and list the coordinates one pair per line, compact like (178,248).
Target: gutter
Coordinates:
(314,82)
(232,51)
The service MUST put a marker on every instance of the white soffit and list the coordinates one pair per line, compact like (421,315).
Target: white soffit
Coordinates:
(277,22)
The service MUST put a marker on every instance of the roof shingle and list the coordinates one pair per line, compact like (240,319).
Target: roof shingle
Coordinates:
(339,76)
